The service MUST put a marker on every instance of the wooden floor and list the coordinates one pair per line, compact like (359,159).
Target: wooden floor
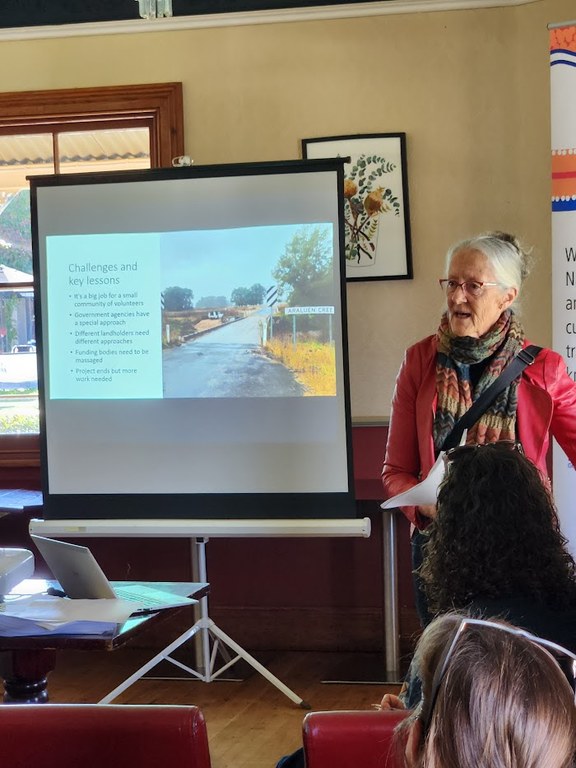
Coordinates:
(250,723)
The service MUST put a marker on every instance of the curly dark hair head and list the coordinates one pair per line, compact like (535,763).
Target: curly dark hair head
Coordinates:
(496,534)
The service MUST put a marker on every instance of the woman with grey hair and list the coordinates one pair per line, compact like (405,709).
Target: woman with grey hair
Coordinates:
(444,374)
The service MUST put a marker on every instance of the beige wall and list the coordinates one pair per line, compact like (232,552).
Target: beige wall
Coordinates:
(469,88)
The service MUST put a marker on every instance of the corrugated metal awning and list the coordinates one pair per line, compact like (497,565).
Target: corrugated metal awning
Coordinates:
(36,149)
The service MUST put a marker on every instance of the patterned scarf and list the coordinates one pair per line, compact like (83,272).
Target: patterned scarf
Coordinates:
(453,360)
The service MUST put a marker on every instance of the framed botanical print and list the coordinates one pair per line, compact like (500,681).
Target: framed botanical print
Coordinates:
(376,211)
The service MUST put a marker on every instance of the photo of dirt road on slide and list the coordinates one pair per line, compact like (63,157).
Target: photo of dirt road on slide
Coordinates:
(249,312)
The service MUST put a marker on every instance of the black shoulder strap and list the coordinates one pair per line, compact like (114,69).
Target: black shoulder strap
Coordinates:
(514,368)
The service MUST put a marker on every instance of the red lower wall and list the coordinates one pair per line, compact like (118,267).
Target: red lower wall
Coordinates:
(291,593)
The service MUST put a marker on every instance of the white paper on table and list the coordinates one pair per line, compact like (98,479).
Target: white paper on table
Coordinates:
(52,612)
(13,626)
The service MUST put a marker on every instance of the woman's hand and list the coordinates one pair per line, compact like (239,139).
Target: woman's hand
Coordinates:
(389,702)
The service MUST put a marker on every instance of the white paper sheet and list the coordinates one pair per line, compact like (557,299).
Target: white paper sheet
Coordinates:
(52,612)
(426,492)
(13,626)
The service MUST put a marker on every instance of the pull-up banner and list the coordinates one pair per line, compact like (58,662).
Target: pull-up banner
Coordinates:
(563,111)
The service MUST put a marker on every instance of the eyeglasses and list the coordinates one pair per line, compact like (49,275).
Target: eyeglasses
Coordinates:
(453,454)
(473,288)
(565,659)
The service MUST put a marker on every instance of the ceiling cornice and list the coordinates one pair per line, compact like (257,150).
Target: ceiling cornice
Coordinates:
(314,13)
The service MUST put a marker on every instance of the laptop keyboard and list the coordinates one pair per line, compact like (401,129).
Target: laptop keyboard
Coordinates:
(149,597)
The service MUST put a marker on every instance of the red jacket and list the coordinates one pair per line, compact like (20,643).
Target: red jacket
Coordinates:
(546,403)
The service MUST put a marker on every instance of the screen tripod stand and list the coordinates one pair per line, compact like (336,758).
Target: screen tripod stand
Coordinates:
(212,641)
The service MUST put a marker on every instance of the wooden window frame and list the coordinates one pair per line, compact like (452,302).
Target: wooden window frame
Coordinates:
(157,105)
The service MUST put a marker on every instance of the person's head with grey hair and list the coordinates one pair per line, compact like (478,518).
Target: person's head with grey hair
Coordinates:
(509,261)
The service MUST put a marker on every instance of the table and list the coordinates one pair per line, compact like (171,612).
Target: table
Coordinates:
(25,662)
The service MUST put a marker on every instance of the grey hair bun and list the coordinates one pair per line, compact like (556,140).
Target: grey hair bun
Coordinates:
(524,256)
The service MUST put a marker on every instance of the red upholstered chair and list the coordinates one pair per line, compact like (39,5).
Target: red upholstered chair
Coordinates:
(350,739)
(98,735)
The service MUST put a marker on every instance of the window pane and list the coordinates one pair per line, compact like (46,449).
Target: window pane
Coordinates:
(20,156)
(18,372)
(119,149)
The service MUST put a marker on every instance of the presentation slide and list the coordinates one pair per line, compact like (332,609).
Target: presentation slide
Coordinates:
(192,342)
(106,339)
(104,319)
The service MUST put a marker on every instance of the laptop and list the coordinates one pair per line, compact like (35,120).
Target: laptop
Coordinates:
(80,576)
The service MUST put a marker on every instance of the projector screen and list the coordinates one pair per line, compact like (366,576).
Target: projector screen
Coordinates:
(191,343)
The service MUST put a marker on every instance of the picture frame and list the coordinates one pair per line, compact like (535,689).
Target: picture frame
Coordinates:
(376,207)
